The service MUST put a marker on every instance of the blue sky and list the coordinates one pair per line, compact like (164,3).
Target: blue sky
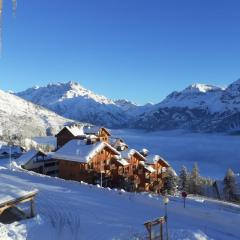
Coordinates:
(136,49)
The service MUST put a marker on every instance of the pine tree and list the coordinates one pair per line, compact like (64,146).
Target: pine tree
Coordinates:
(170,181)
(195,180)
(184,179)
(229,185)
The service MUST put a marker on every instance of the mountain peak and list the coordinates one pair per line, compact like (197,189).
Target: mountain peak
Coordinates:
(201,88)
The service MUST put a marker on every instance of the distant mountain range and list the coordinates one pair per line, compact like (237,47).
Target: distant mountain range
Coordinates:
(20,117)
(199,107)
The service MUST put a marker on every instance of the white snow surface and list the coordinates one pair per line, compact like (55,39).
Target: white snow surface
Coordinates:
(21,116)
(79,151)
(70,210)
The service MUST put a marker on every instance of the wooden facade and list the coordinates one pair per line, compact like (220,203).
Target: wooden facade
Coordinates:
(137,175)
(90,171)
(65,136)
(104,135)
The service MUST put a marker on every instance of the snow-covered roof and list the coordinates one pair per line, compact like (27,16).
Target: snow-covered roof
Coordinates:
(26,157)
(149,168)
(75,130)
(122,162)
(93,130)
(127,153)
(78,151)
(152,159)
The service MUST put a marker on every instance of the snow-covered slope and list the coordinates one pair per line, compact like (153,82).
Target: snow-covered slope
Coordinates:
(73,101)
(199,107)
(68,210)
(19,116)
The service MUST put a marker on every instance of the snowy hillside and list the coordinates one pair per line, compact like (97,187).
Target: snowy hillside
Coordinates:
(73,101)
(21,117)
(199,107)
(69,210)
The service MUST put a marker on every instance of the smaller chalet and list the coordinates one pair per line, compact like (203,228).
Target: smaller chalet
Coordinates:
(77,131)
(82,160)
(134,158)
(118,143)
(68,133)
(38,161)
(101,133)
(158,163)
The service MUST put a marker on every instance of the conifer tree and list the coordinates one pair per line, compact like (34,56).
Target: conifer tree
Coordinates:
(184,179)
(195,180)
(170,182)
(229,185)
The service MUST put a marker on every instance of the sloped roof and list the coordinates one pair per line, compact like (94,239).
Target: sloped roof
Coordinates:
(126,154)
(78,151)
(123,162)
(94,130)
(149,168)
(75,130)
(26,157)
(152,159)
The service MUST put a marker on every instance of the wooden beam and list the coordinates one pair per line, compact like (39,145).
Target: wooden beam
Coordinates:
(11,203)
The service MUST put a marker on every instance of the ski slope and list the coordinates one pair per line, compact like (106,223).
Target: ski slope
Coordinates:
(69,210)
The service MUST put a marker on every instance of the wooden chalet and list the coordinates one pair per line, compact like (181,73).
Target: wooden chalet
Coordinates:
(88,151)
(119,172)
(160,166)
(81,160)
(101,133)
(119,144)
(134,158)
(77,131)
(69,133)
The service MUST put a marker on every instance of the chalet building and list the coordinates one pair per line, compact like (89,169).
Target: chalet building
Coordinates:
(69,133)
(101,133)
(119,171)
(39,162)
(134,158)
(118,143)
(82,160)
(160,166)
(81,132)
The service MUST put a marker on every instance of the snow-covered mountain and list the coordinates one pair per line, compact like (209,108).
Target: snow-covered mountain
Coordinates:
(199,107)
(18,116)
(73,101)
